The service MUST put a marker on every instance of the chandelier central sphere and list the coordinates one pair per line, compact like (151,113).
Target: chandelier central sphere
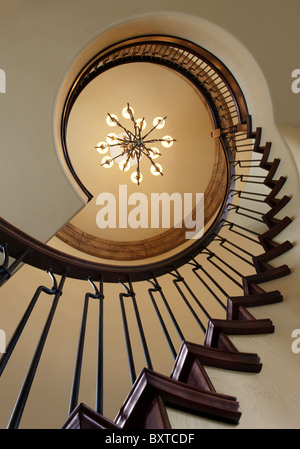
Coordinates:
(129,147)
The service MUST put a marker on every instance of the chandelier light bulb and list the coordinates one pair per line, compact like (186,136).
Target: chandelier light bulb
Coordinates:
(154,153)
(112,138)
(141,123)
(159,122)
(156,170)
(167,141)
(107,162)
(122,165)
(136,177)
(125,112)
(102,147)
(109,121)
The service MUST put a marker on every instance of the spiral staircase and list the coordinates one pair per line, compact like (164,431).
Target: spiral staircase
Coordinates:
(227,270)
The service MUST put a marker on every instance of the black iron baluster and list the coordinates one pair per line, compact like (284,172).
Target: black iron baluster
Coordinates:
(240,163)
(178,279)
(224,240)
(248,210)
(7,271)
(78,363)
(248,181)
(19,329)
(212,279)
(141,331)
(232,225)
(193,295)
(99,389)
(164,328)
(237,208)
(127,336)
(21,401)
(181,336)
(196,266)
(244,192)
(209,258)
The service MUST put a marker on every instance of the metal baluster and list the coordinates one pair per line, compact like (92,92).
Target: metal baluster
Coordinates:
(19,329)
(243,235)
(5,271)
(21,401)
(237,208)
(240,192)
(209,258)
(127,336)
(193,295)
(78,363)
(164,328)
(177,279)
(224,240)
(245,229)
(141,331)
(247,209)
(251,176)
(181,336)
(212,279)
(99,389)
(197,267)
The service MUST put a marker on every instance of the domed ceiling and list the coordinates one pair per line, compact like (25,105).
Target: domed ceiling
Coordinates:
(194,164)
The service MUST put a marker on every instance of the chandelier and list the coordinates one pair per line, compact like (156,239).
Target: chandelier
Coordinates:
(129,147)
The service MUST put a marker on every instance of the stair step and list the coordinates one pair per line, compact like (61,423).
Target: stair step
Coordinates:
(84,417)
(214,357)
(235,327)
(235,303)
(150,385)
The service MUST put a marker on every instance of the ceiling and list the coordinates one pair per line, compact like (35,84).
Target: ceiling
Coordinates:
(151,90)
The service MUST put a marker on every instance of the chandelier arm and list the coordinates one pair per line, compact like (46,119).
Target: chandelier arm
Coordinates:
(152,162)
(155,126)
(138,167)
(121,142)
(112,158)
(138,134)
(131,114)
(126,163)
(159,140)
(149,150)
(127,131)
(121,154)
